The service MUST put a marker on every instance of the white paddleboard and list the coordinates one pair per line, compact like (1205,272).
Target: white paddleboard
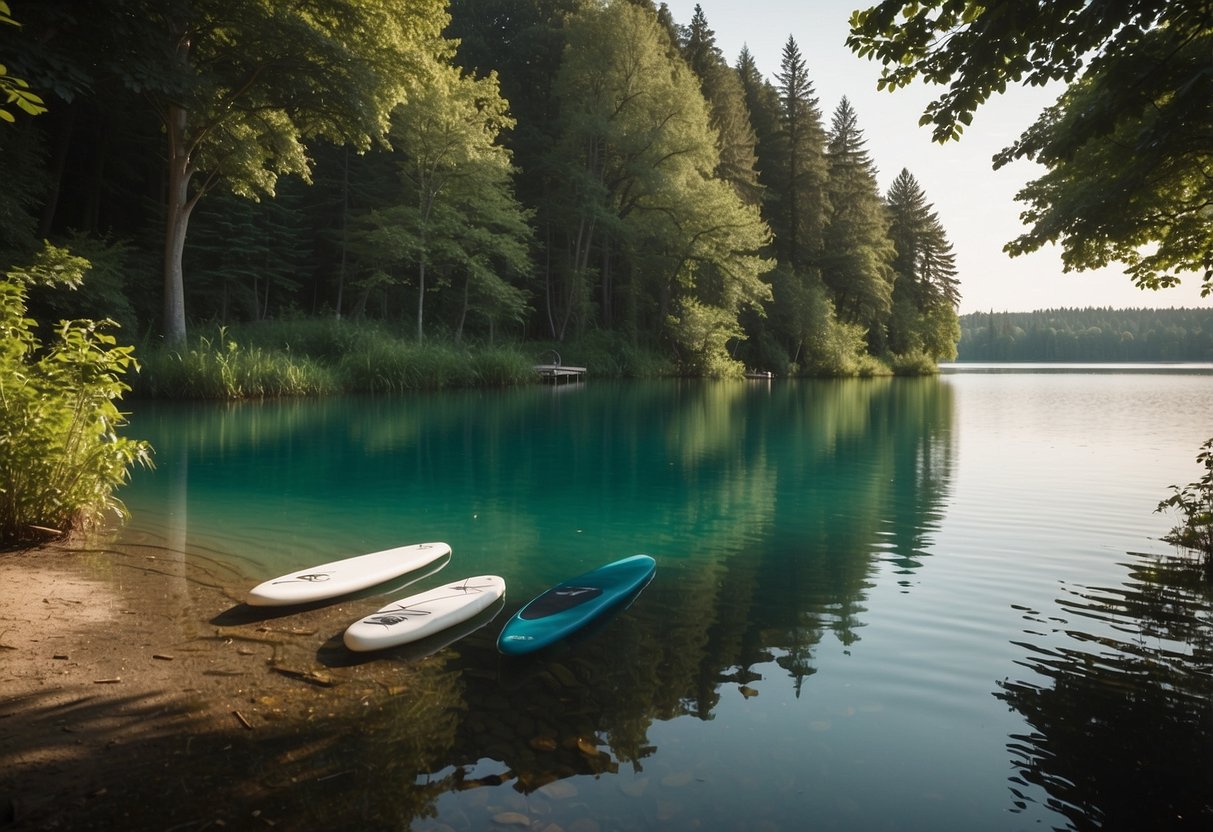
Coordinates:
(341,577)
(424,614)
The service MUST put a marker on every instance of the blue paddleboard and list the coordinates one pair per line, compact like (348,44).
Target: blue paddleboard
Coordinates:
(571,605)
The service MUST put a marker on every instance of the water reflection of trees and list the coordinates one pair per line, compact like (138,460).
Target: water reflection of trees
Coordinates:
(771,508)
(877,459)
(794,494)
(1121,711)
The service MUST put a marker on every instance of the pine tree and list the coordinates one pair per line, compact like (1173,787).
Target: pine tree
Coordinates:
(762,103)
(926,292)
(803,206)
(856,265)
(736,142)
(792,168)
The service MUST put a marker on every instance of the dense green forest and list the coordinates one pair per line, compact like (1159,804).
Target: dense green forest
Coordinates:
(473,171)
(1088,335)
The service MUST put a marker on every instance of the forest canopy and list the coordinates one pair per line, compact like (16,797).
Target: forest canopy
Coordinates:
(483,169)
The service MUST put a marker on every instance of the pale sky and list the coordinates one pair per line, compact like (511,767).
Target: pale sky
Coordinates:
(975,203)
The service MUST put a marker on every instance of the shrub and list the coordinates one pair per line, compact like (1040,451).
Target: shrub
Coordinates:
(1194,502)
(869,366)
(915,363)
(835,349)
(103,293)
(61,457)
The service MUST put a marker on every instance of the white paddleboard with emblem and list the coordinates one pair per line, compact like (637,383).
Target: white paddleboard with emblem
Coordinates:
(424,614)
(341,577)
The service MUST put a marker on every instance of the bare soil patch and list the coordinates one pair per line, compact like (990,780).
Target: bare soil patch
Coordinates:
(138,692)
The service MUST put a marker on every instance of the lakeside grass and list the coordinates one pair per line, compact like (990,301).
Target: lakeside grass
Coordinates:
(320,358)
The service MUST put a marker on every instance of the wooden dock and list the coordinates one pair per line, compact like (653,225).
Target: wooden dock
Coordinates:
(560,373)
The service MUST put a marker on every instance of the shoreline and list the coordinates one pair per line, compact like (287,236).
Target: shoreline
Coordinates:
(128,679)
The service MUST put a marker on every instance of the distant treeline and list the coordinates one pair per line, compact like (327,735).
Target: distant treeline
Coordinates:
(1091,334)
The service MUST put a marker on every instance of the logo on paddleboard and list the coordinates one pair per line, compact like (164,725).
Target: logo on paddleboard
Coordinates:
(309,577)
(392,619)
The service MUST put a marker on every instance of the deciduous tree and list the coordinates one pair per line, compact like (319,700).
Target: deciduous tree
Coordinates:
(240,88)
(644,192)
(1126,146)
(458,209)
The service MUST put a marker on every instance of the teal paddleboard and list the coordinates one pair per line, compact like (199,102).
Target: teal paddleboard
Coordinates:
(572,604)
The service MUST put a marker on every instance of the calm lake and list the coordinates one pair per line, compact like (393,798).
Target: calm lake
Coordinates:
(911,604)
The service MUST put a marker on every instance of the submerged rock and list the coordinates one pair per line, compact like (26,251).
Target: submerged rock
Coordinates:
(511,819)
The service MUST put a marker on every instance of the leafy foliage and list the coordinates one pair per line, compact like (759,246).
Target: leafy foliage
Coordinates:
(106,293)
(1126,146)
(652,231)
(61,457)
(1194,502)
(455,217)
(736,142)
(1136,190)
(16,91)
(330,69)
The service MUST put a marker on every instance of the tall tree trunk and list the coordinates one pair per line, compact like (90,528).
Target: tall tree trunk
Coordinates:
(420,293)
(581,262)
(463,312)
(345,221)
(62,143)
(547,279)
(608,288)
(429,186)
(177,219)
(92,204)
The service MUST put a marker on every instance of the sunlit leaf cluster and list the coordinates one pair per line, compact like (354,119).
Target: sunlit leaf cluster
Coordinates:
(16,91)
(1126,147)
(61,457)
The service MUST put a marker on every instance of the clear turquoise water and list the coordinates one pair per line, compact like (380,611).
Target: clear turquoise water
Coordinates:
(879,604)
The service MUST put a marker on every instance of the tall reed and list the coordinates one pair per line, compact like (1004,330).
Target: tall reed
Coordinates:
(221,368)
(387,365)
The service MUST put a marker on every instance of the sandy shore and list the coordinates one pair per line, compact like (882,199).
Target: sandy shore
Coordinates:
(128,678)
